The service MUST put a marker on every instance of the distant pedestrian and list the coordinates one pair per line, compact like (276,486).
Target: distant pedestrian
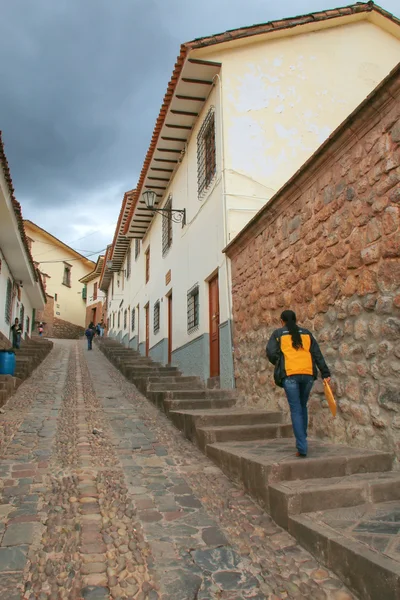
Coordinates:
(16,331)
(98,331)
(90,332)
(296,355)
(40,329)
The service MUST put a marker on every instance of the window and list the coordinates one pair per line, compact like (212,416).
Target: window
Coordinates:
(125,319)
(206,155)
(55,297)
(193,308)
(128,264)
(27,325)
(67,276)
(156,321)
(147,264)
(22,316)
(167,229)
(8,301)
(119,319)
(133,319)
(137,249)
(113,319)
(95,291)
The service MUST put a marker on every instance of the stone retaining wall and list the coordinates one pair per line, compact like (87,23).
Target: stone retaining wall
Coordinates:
(328,246)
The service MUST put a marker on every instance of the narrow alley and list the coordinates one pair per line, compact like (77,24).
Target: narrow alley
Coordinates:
(101,497)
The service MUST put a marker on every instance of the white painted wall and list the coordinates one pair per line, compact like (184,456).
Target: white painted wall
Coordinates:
(90,292)
(283,96)
(5,328)
(69,305)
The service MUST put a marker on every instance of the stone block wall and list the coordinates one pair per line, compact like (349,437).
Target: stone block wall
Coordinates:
(328,246)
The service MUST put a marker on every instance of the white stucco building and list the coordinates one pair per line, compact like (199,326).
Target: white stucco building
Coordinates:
(93,295)
(21,289)
(243,111)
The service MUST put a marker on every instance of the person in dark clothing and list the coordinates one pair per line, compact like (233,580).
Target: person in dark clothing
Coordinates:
(16,331)
(297,358)
(90,332)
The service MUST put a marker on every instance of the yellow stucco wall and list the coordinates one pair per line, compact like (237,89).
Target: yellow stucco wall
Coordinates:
(284,94)
(69,304)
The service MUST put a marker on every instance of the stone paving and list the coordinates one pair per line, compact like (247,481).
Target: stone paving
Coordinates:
(102,498)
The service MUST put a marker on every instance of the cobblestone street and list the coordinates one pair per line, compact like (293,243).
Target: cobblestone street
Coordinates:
(101,497)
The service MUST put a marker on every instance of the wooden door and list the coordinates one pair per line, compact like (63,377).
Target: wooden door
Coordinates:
(214,326)
(147,329)
(169,329)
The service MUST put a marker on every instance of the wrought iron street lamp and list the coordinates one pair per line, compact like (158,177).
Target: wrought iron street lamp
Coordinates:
(174,214)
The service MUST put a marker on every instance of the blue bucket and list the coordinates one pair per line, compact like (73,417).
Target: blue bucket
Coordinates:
(7,362)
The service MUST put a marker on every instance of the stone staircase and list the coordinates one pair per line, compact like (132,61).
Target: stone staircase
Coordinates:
(28,357)
(341,503)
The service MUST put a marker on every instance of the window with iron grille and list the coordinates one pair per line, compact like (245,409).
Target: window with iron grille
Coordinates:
(133,317)
(8,301)
(157,317)
(125,318)
(206,154)
(67,276)
(193,308)
(128,264)
(22,316)
(167,228)
(137,249)
(147,264)
(119,319)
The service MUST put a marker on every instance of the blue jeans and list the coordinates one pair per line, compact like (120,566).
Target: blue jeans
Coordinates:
(89,343)
(298,389)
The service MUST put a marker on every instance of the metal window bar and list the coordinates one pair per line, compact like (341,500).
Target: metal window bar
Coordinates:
(156,317)
(125,318)
(193,304)
(206,153)
(137,249)
(167,228)
(21,316)
(8,301)
(128,264)
(133,317)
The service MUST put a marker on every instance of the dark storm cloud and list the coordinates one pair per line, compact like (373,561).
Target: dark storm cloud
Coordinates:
(81,83)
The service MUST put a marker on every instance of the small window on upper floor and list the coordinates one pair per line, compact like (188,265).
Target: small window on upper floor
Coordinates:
(67,275)
(206,153)
(137,249)
(128,264)
(147,264)
(167,228)
(95,291)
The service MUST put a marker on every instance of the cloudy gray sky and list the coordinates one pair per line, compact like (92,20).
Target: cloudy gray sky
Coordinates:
(81,86)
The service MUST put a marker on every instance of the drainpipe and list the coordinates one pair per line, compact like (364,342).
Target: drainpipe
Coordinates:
(225,221)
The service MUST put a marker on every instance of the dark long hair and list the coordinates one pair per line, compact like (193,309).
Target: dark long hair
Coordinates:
(289,318)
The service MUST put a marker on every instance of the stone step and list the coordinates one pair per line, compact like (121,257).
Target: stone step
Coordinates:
(238,433)
(258,464)
(188,420)
(174,405)
(309,495)
(360,544)
(183,384)
(203,393)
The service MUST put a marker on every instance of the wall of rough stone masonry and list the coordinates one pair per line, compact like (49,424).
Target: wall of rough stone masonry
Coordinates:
(329,248)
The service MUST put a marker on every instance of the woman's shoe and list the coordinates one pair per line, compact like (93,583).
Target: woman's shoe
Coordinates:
(301,455)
